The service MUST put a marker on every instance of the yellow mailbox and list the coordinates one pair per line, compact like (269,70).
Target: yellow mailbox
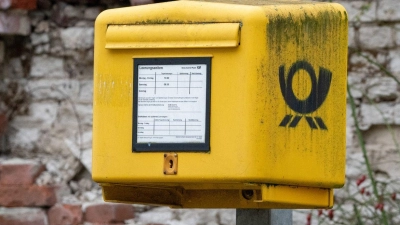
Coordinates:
(221,104)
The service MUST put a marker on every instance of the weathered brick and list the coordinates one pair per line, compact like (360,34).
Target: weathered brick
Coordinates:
(2,51)
(397,114)
(86,159)
(38,39)
(360,11)
(397,34)
(64,14)
(359,63)
(77,37)
(15,68)
(156,224)
(388,10)
(5,4)
(352,37)
(24,4)
(22,195)
(157,215)
(22,216)
(14,23)
(3,125)
(382,88)
(197,216)
(41,114)
(394,63)
(25,138)
(377,114)
(92,12)
(65,214)
(108,213)
(45,66)
(227,216)
(69,114)
(86,91)
(59,89)
(375,37)
(105,223)
(19,171)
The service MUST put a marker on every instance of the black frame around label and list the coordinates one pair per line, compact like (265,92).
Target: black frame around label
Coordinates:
(171,147)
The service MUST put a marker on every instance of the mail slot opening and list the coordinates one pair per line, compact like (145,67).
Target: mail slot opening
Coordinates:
(150,36)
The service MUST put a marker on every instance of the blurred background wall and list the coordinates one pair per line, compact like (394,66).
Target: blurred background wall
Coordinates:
(46,60)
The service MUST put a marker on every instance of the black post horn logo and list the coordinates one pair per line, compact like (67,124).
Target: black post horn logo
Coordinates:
(319,91)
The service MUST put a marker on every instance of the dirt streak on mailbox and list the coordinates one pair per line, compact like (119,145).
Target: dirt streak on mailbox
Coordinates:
(221,104)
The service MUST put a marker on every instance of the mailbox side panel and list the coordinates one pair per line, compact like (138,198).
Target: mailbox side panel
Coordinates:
(302,93)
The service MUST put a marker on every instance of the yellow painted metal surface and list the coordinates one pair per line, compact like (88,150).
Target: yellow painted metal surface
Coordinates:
(183,36)
(277,114)
(221,196)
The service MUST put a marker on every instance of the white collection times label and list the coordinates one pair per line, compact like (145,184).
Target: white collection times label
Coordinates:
(171,103)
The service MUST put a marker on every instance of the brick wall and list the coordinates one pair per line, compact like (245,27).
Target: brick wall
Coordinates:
(374,62)
(23,202)
(374,56)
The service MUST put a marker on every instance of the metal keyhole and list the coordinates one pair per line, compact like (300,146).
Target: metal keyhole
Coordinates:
(170,163)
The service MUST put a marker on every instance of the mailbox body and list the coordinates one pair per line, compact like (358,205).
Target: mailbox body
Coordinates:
(276,107)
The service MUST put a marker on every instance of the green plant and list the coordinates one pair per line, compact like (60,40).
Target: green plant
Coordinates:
(370,199)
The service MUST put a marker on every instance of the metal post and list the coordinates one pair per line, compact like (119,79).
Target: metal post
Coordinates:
(263,216)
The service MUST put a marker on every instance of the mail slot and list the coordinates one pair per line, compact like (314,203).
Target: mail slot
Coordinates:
(184,36)
(220,104)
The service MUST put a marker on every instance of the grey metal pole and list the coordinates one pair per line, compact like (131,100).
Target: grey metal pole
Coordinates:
(263,216)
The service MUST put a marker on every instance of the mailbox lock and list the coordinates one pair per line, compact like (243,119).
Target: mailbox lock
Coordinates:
(248,194)
(170,163)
